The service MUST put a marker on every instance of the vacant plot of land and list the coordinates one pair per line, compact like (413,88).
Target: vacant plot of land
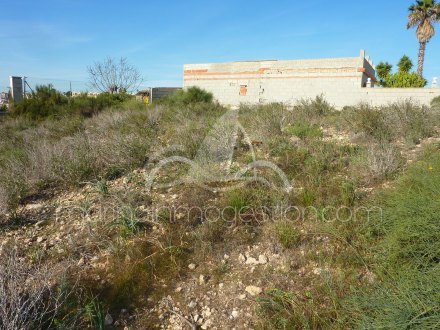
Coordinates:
(188,214)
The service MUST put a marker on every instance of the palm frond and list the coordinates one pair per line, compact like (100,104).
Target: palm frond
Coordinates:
(437,12)
(414,19)
(425,31)
(423,14)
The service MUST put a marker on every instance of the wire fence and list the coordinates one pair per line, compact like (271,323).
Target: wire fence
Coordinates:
(62,85)
(77,86)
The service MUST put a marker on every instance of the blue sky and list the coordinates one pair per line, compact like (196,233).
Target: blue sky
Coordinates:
(55,40)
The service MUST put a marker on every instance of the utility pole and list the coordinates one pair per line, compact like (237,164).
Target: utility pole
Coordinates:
(24,88)
(70,88)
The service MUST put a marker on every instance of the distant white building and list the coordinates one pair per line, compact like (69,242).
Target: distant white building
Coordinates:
(4,98)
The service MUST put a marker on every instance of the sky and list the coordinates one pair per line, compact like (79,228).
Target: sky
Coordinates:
(54,41)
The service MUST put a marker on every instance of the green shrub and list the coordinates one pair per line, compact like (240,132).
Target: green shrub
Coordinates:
(87,106)
(406,254)
(410,220)
(238,199)
(282,310)
(315,165)
(287,234)
(406,80)
(279,310)
(44,102)
(48,102)
(406,300)
(348,193)
(94,311)
(304,130)
(405,64)
(290,158)
(128,220)
(312,108)
(370,121)
(383,70)
(188,96)
(403,78)
(102,188)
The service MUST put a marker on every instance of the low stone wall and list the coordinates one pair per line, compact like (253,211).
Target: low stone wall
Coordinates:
(381,96)
(377,96)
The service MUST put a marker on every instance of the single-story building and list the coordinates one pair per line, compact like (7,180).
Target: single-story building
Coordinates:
(342,81)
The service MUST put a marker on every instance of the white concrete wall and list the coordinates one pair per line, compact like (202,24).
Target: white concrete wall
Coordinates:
(339,80)
(381,96)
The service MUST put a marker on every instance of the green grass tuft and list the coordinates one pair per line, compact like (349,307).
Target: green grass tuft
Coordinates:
(305,130)
(287,234)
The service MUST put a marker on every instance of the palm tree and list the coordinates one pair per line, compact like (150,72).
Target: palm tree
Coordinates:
(423,14)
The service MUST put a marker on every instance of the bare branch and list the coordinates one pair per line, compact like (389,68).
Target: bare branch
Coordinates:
(29,296)
(114,76)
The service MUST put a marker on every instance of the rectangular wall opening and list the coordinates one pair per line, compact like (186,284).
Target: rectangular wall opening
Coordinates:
(243,90)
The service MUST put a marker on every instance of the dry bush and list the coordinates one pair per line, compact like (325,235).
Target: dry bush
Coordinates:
(312,109)
(409,121)
(67,153)
(4,199)
(13,183)
(29,295)
(369,121)
(435,103)
(39,164)
(265,120)
(188,126)
(383,160)
(405,121)
(270,121)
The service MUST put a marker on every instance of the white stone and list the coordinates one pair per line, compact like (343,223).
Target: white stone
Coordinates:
(251,261)
(202,279)
(206,325)
(317,271)
(35,206)
(262,259)
(253,290)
